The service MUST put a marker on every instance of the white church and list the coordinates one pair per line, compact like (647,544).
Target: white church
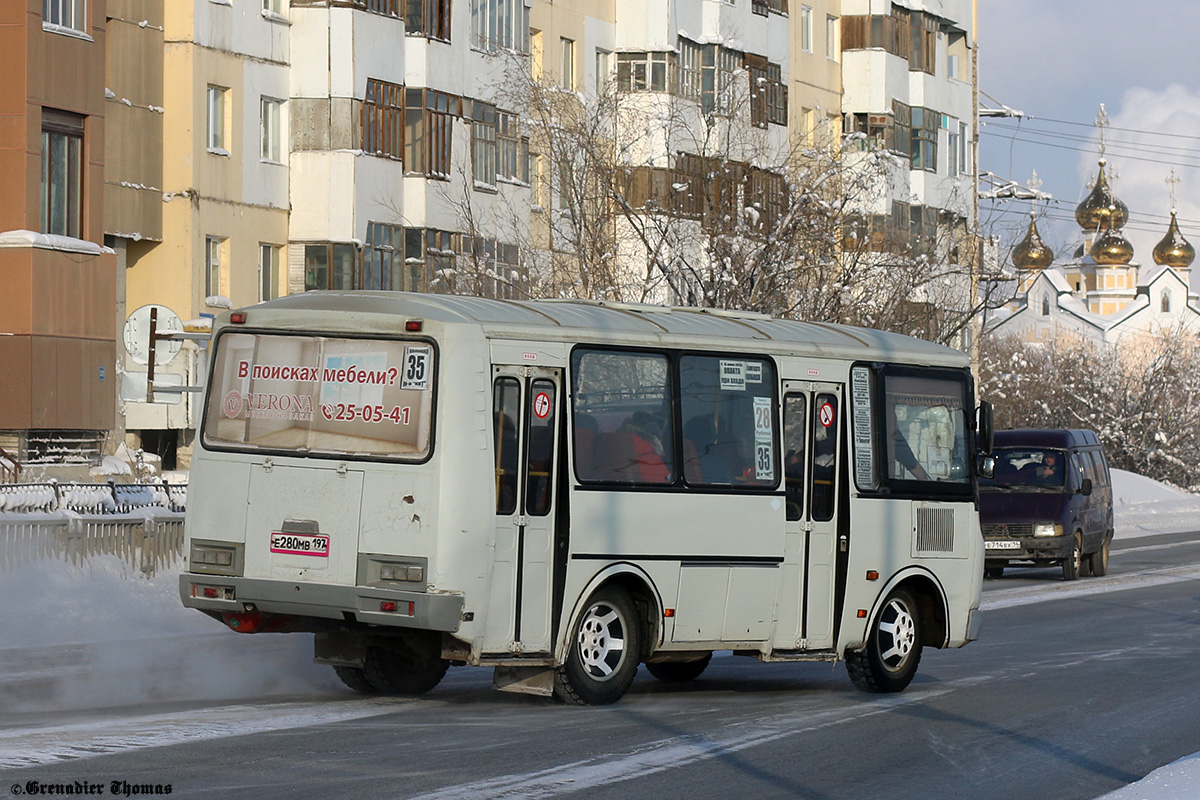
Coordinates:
(1101,295)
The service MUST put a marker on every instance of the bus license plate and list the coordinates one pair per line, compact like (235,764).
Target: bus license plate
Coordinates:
(1002,545)
(299,544)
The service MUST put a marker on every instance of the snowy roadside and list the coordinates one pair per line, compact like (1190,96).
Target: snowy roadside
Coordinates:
(1144,507)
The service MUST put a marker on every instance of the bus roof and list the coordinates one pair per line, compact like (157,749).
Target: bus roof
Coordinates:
(592,321)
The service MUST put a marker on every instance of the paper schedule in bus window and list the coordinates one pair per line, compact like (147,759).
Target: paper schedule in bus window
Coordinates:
(320,394)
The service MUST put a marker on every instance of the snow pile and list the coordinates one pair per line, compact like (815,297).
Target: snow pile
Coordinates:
(100,635)
(1143,506)
(1176,781)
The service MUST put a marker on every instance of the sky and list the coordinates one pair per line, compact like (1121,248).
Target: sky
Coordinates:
(1058,61)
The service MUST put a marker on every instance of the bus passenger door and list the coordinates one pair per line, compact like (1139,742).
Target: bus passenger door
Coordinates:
(811,421)
(526,410)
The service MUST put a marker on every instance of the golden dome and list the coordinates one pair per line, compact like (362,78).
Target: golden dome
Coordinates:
(1174,250)
(1031,252)
(1101,207)
(1111,247)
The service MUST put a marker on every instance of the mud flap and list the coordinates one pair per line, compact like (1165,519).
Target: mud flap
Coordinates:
(524,680)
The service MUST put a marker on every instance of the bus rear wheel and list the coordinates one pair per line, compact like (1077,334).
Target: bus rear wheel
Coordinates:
(678,671)
(889,661)
(405,668)
(603,658)
(356,679)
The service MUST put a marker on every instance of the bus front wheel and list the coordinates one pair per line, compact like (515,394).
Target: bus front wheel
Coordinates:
(889,661)
(603,658)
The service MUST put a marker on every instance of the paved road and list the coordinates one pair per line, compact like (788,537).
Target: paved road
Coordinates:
(1075,689)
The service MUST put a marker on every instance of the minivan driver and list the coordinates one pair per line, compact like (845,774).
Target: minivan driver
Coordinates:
(1049,472)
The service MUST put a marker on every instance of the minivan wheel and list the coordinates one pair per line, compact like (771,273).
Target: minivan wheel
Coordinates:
(1070,565)
(1099,560)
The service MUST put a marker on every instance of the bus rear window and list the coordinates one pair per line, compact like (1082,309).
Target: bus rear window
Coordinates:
(321,396)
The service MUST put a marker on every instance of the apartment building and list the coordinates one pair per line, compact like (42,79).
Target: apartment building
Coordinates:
(908,88)
(57,324)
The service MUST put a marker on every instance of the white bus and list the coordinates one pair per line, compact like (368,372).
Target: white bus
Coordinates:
(564,490)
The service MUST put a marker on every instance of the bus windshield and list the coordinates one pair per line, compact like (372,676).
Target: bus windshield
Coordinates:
(320,395)
(1027,467)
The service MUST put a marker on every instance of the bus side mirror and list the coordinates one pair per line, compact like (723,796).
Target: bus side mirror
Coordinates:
(1085,487)
(987,467)
(987,427)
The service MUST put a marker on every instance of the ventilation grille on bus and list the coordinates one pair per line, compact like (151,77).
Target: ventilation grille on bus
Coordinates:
(935,530)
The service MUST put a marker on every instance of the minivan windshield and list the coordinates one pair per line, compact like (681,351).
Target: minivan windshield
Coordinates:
(1027,467)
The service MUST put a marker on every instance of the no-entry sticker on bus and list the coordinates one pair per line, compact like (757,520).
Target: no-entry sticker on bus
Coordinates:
(541,405)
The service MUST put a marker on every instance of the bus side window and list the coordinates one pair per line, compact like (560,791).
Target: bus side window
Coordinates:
(795,419)
(540,448)
(824,458)
(506,402)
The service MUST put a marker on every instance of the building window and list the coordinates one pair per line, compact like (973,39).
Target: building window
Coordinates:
(603,71)
(831,38)
(272,134)
(1166,302)
(383,256)
(641,72)
(716,79)
(428,129)
(500,25)
(1046,305)
(925,123)
(428,18)
(268,271)
(512,149)
(806,29)
(689,74)
(763,7)
(964,165)
(215,130)
(273,6)
(62,173)
(568,64)
(483,145)
(383,119)
(496,267)
(66,13)
(329,266)
(213,245)
(440,254)
(912,35)
(768,93)
(389,8)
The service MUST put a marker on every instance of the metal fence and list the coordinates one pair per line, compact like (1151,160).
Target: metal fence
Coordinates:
(142,524)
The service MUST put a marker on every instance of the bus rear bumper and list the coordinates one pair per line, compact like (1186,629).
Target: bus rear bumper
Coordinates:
(393,607)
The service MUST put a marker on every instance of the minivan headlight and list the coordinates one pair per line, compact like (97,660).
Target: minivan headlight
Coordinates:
(1046,529)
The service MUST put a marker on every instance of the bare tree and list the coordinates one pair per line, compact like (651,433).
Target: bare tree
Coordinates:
(643,196)
(1140,396)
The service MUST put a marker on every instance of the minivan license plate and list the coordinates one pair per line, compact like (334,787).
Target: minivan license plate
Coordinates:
(1002,545)
(299,544)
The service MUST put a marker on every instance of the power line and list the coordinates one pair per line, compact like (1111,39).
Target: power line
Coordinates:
(1017,138)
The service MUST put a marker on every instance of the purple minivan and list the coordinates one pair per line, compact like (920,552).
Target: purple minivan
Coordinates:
(1048,502)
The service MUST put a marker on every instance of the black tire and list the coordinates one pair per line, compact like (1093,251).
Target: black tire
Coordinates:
(404,669)
(893,652)
(993,572)
(1099,559)
(356,679)
(604,654)
(679,671)
(1071,564)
